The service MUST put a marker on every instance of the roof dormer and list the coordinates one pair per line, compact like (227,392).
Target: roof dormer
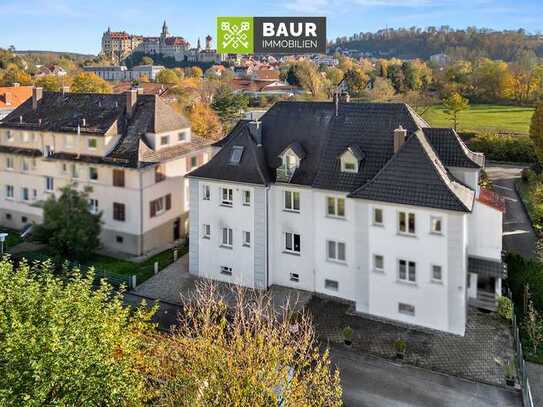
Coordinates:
(290,157)
(351,159)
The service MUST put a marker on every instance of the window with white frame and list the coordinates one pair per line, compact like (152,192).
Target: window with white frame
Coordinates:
(49,184)
(295,277)
(335,207)
(406,223)
(331,285)
(68,141)
(378,263)
(9,163)
(407,271)
(25,194)
(335,251)
(437,273)
(9,191)
(227,196)
(377,217)
(292,243)
(206,231)
(182,136)
(436,225)
(164,140)
(74,171)
(92,143)
(24,165)
(226,270)
(246,238)
(292,201)
(406,309)
(246,198)
(206,193)
(93,206)
(93,173)
(227,237)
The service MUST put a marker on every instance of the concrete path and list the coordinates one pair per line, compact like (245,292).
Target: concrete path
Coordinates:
(368,381)
(518,235)
(169,284)
(535,375)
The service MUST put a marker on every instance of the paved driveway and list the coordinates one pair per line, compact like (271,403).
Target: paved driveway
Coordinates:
(369,381)
(518,235)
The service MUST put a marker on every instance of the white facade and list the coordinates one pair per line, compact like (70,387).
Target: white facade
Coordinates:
(436,299)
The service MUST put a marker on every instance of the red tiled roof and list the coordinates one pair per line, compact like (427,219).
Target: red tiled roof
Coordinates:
(492,199)
(175,41)
(15,95)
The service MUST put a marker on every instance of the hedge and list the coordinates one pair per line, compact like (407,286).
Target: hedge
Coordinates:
(503,147)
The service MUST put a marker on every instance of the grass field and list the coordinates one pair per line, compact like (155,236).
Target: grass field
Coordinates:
(512,119)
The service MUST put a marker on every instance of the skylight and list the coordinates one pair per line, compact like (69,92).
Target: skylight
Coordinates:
(235,155)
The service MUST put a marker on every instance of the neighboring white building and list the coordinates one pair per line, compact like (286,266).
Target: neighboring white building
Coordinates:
(129,151)
(122,73)
(365,202)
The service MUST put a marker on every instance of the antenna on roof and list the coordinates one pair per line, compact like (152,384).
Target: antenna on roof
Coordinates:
(21,119)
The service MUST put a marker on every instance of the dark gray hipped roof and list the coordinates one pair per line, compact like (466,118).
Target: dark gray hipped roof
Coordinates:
(100,114)
(451,149)
(416,175)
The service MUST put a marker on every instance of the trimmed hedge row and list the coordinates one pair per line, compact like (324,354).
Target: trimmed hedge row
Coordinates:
(503,147)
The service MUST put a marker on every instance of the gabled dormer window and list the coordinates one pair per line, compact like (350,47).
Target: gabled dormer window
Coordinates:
(291,158)
(350,159)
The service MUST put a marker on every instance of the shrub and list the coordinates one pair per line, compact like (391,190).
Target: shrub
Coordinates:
(348,333)
(400,345)
(505,308)
(504,148)
(527,175)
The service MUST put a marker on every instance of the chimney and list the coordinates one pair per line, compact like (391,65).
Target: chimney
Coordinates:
(84,122)
(7,98)
(131,98)
(37,94)
(399,138)
(255,129)
(65,89)
(15,84)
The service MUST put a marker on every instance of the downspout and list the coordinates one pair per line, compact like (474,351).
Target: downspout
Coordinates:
(267,238)
(141,211)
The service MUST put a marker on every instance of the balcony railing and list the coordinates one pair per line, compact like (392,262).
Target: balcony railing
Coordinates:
(485,300)
(284,174)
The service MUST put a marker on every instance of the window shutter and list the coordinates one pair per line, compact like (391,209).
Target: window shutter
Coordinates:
(152,208)
(168,201)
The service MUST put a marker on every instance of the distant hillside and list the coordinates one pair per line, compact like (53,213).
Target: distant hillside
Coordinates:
(54,54)
(416,42)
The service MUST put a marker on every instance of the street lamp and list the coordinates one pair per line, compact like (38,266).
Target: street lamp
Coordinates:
(2,239)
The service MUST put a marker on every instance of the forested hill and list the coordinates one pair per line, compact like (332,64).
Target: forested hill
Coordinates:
(422,43)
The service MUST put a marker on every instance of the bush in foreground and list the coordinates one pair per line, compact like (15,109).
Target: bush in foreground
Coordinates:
(243,355)
(63,343)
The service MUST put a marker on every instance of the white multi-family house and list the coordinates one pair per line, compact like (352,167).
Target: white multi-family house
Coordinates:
(361,201)
(130,152)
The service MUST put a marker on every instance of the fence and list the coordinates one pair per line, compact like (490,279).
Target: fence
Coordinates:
(527,398)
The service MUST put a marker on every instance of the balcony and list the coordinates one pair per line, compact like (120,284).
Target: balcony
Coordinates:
(284,174)
(485,300)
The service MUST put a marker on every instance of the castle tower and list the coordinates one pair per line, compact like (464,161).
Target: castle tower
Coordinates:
(198,45)
(165,33)
(208,42)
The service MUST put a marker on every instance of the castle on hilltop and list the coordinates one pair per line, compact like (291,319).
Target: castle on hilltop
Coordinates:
(119,45)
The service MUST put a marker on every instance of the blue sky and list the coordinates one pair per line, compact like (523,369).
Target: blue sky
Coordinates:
(69,25)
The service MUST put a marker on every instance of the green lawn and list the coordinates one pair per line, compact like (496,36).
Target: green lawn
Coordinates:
(512,119)
(118,267)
